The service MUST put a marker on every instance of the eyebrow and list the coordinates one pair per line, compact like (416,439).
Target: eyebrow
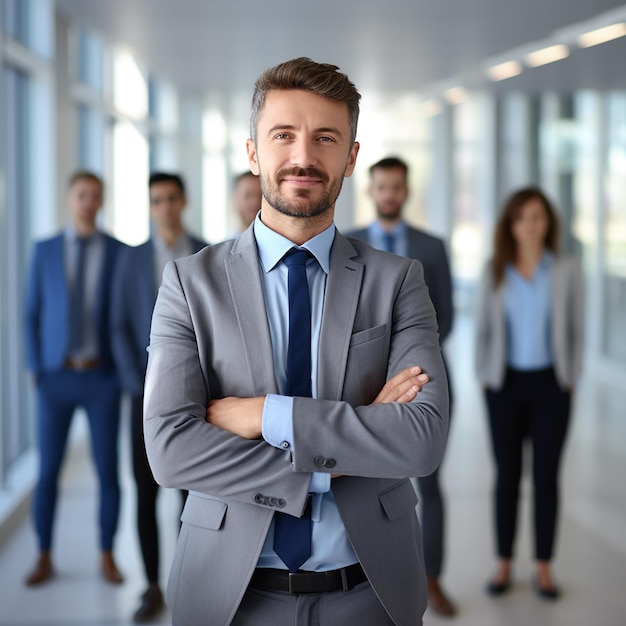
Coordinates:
(323,129)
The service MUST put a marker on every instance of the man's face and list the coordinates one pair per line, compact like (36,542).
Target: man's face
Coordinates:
(248,198)
(302,152)
(389,191)
(166,204)
(84,199)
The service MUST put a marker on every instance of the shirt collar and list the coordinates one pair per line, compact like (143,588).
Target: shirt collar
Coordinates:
(378,231)
(545,264)
(272,246)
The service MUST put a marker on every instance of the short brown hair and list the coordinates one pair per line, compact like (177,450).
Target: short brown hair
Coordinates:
(322,79)
(505,246)
(85,175)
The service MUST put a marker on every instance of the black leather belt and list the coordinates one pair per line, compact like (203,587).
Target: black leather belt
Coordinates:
(342,579)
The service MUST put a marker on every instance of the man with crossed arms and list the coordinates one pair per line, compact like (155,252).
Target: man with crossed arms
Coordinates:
(221,421)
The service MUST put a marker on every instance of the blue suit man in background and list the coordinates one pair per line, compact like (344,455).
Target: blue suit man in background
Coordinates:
(137,280)
(389,191)
(70,358)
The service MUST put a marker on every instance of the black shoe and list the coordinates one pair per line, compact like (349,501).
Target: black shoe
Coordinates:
(151,604)
(546,593)
(498,589)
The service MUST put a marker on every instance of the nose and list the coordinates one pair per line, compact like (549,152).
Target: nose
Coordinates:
(303,153)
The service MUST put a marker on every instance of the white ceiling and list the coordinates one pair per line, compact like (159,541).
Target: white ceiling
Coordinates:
(385,45)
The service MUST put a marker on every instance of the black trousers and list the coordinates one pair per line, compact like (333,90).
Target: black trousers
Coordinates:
(147,491)
(530,405)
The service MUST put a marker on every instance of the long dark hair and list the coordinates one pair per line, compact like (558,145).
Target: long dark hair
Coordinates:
(505,246)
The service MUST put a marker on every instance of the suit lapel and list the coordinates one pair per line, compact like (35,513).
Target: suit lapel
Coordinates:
(245,283)
(340,304)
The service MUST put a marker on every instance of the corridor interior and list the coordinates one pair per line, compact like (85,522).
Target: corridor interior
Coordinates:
(590,564)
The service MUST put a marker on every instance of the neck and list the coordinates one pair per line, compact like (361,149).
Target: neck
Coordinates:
(529,255)
(85,229)
(170,234)
(297,229)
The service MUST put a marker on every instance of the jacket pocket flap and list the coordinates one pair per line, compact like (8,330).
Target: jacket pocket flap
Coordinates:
(204,512)
(369,334)
(399,499)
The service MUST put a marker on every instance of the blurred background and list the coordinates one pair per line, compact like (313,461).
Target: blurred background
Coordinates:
(479,96)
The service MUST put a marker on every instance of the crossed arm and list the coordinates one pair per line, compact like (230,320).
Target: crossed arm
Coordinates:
(243,416)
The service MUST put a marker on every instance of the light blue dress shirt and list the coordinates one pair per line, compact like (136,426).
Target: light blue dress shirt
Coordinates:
(376,237)
(330,547)
(94,258)
(527,307)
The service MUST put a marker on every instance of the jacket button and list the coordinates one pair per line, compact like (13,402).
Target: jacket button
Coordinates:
(259,499)
(319,461)
(331,462)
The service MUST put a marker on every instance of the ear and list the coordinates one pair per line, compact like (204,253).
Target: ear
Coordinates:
(351,159)
(252,157)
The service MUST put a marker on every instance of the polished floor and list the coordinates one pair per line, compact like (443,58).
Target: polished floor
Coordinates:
(590,564)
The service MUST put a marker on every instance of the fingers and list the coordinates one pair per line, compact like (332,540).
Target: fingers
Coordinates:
(403,386)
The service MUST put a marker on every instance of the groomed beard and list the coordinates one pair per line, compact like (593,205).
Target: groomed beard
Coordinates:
(273,197)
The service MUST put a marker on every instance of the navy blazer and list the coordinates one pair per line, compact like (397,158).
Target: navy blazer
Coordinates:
(48,302)
(133,298)
(430,251)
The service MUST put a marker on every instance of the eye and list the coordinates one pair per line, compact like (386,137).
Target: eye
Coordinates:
(281,136)
(326,139)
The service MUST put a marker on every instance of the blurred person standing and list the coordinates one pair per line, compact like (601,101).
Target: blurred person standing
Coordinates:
(529,347)
(247,198)
(137,279)
(70,357)
(389,190)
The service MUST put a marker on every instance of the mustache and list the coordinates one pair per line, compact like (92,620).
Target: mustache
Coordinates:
(309,172)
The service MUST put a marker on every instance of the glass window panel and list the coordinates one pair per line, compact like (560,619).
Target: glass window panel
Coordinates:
(16,427)
(614,309)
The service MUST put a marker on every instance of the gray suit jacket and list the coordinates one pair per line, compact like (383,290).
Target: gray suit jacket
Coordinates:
(567,325)
(210,339)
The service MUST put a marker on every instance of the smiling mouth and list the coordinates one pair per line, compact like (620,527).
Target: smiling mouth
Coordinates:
(301,181)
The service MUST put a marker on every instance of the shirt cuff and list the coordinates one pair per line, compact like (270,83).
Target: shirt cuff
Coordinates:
(277,421)
(277,430)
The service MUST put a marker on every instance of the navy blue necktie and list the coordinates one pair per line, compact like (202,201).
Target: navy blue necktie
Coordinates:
(77,297)
(292,535)
(390,240)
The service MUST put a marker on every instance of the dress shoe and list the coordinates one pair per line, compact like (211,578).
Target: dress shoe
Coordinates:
(151,604)
(546,593)
(42,571)
(109,570)
(497,588)
(437,600)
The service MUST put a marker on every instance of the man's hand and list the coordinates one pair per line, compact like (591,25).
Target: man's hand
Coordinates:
(240,416)
(402,387)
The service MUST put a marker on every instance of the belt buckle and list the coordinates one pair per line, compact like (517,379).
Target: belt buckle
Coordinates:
(306,582)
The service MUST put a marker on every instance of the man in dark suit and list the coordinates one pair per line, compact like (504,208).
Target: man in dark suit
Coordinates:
(282,391)
(137,279)
(389,191)
(70,357)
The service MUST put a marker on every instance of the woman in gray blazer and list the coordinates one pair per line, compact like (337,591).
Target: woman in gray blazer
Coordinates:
(528,357)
